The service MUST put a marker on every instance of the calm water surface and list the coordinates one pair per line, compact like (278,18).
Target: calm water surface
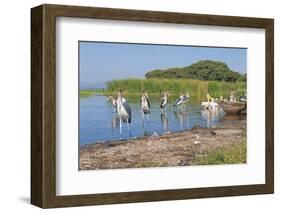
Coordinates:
(99,123)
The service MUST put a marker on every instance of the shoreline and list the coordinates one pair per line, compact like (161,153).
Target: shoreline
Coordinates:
(172,149)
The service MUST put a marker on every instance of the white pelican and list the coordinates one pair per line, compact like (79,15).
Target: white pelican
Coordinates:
(209,98)
(205,105)
(123,110)
(231,97)
(210,104)
(145,104)
(213,105)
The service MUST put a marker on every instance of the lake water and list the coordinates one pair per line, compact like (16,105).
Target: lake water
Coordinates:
(99,123)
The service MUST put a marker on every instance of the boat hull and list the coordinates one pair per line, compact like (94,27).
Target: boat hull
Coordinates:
(234,107)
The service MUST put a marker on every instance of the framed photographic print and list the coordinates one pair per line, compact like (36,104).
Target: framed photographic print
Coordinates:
(136,106)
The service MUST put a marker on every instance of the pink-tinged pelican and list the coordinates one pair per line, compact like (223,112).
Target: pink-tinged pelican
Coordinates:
(123,110)
(210,104)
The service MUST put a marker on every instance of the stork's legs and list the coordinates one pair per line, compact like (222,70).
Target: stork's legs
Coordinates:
(142,115)
(120,126)
(148,118)
(129,127)
(163,112)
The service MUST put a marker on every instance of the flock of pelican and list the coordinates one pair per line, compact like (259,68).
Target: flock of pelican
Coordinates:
(122,108)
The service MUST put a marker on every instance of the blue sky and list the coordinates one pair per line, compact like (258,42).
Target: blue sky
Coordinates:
(100,62)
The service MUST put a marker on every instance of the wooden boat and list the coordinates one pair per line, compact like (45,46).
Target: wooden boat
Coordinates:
(231,107)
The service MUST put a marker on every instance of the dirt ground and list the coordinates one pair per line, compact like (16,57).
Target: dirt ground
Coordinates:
(171,149)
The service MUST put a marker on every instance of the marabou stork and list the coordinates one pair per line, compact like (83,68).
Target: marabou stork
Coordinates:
(145,104)
(164,101)
(123,110)
(182,99)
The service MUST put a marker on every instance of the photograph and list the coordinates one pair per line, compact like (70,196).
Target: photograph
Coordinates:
(145,105)
(161,105)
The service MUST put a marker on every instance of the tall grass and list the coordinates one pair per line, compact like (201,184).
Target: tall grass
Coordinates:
(196,88)
(235,154)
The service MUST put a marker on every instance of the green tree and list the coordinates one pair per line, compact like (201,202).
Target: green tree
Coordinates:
(202,70)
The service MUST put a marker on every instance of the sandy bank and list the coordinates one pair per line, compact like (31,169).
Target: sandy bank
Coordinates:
(172,149)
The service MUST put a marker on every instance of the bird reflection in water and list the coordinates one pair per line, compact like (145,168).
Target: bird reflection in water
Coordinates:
(164,122)
(145,127)
(209,116)
(182,117)
(114,122)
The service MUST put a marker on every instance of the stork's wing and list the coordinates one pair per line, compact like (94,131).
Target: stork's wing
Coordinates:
(162,102)
(148,102)
(178,100)
(128,110)
(185,98)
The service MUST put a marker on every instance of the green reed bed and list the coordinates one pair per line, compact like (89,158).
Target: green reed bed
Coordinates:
(89,92)
(196,88)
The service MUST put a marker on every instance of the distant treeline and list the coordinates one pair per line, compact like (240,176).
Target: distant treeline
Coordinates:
(206,70)
(196,88)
